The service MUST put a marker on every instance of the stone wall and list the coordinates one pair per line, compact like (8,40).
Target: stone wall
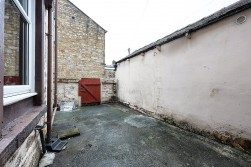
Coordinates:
(108,87)
(68,91)
(81,44)
(11,40)
(28,154)
(68,88)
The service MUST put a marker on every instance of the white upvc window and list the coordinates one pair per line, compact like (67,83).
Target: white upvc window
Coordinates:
(19,50)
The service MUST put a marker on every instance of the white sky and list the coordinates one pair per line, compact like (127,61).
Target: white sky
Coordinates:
(136,23)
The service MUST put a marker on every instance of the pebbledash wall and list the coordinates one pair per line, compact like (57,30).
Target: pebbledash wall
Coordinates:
(81,54)
(197,78)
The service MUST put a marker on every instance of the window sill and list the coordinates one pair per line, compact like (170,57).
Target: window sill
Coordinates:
(16,132)
(13,99)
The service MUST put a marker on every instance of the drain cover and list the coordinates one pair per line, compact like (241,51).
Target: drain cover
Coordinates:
(56,145)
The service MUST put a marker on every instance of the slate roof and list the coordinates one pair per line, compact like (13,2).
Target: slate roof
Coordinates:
(206,21)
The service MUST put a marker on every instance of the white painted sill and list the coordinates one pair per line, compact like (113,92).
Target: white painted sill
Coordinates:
(13,99)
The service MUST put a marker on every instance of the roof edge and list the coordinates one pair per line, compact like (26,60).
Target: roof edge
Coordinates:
(86,15)
(228,11)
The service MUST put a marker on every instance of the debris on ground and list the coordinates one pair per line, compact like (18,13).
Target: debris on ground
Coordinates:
(67,105)
(47,159)
(67,133)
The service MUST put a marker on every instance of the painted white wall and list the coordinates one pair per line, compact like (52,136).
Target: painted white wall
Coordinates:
(205,80)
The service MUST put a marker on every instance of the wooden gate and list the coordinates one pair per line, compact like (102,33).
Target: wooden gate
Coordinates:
(89,90)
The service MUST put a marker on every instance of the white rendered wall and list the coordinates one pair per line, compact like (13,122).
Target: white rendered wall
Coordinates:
(205,80)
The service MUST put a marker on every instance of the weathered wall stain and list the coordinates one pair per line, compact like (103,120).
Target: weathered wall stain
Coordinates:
(220,136)
(214,92)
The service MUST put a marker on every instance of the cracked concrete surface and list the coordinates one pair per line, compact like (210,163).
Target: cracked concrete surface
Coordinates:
(116,136)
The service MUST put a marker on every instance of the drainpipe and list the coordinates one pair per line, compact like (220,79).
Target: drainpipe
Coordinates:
(49,73)
(1,62)
(56,56)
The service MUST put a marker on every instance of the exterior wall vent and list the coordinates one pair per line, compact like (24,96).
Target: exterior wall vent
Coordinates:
(241,19)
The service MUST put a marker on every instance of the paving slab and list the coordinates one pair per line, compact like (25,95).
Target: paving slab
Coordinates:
(116,136)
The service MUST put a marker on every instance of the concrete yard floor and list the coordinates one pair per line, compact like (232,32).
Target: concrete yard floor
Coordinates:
(116,136)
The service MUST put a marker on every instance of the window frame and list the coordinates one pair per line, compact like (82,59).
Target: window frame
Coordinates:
(23,91)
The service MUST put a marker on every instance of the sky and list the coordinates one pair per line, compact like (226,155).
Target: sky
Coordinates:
(136,23)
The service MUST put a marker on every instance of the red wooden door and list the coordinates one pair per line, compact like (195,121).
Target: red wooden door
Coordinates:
(89,90)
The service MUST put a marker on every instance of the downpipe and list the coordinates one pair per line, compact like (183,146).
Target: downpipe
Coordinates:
(49,73)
